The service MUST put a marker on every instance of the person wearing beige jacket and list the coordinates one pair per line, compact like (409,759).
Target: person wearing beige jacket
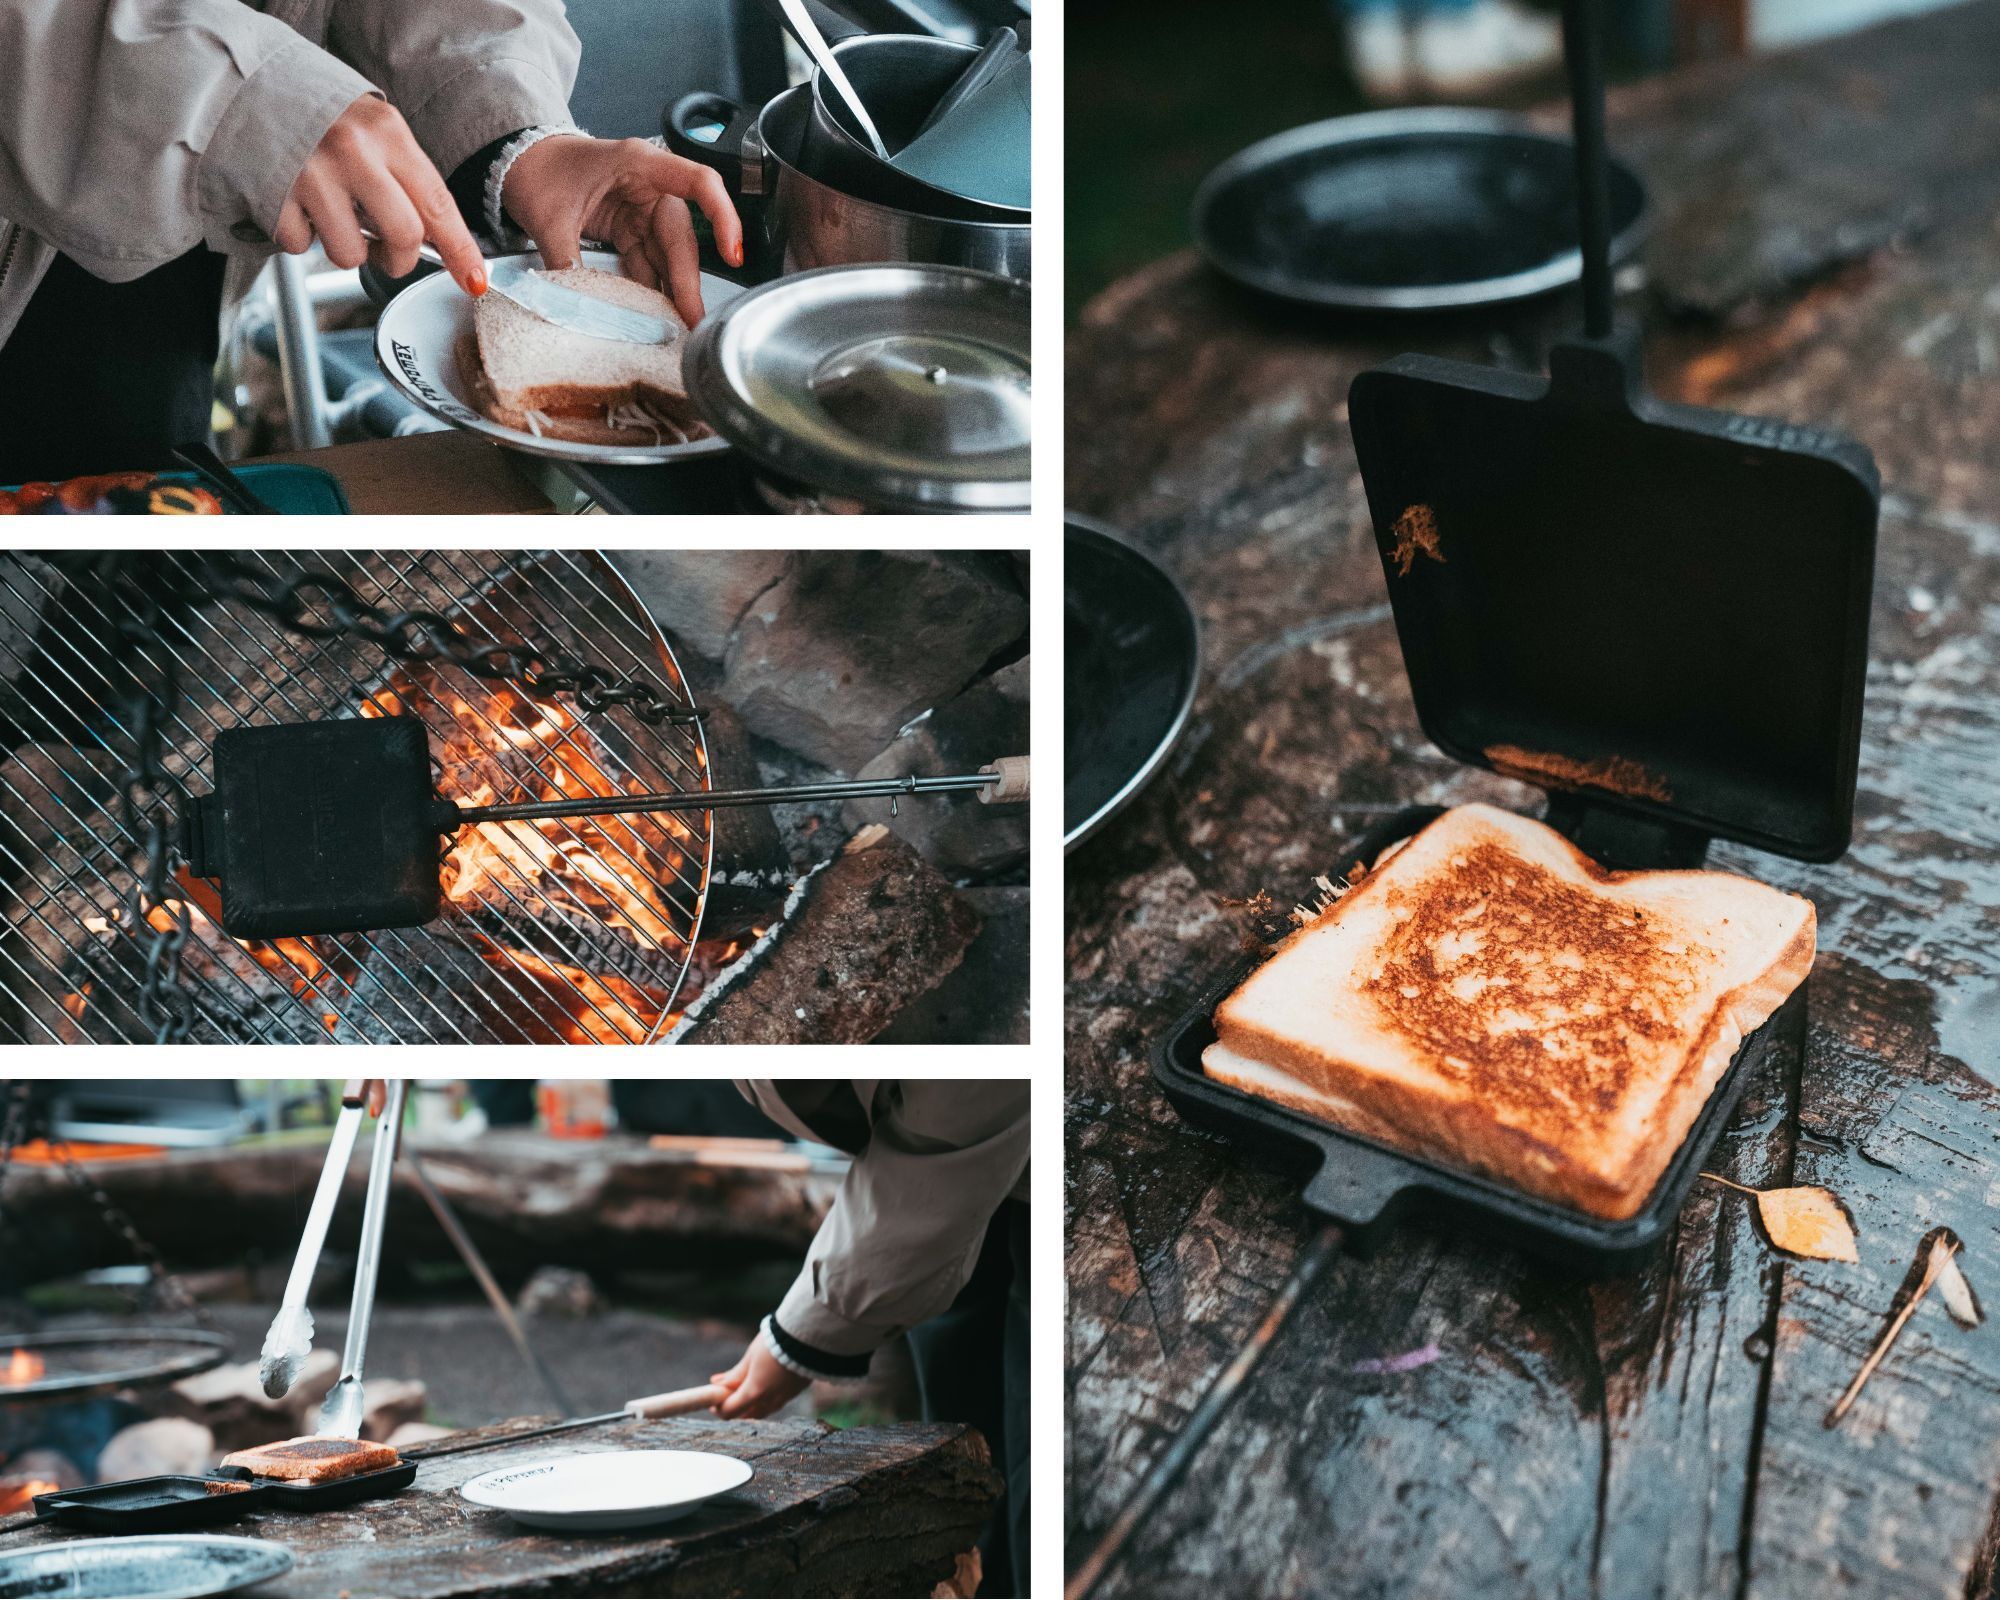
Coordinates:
(928,1238)
(154,154)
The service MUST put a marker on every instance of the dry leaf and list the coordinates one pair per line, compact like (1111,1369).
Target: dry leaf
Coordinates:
(1803,1221)
(1952,1288)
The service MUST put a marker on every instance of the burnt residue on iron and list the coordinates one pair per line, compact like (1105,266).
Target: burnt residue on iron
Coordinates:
(1613,774)
(1415,533)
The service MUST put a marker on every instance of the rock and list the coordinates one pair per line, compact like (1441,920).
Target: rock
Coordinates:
(986,1000)
(957,833)
(31,593)
(389,1404)
(159,1445)
(873,929)
(40,1466)
(412,1434)
(230,1405)
(847,647)
(309,1391)
(49,792)
(559,1292)
(698,595)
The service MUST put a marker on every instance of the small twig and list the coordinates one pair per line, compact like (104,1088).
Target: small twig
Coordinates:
(1729,1183)
(1940,1252)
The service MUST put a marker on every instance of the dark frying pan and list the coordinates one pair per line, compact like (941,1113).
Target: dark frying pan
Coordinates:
(1417,210)
(1132,654)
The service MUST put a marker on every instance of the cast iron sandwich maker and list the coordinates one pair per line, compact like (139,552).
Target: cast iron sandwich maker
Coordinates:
(1657,614)
(334,826)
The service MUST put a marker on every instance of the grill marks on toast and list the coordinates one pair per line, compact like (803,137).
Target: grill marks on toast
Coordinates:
(1489,998)
(1502,970)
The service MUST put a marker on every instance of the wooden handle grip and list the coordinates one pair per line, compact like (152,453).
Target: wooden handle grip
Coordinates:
(1013,784)
(677,1402)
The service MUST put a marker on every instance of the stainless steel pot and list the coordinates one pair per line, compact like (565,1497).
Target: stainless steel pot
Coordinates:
(794,221)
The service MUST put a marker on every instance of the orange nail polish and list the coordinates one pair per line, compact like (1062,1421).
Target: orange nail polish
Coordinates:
(477,283)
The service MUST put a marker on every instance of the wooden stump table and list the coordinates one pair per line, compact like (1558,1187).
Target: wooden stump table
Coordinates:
(859,1511)
(1449,1418)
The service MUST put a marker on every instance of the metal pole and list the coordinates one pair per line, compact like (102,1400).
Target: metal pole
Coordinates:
(469,1253)
(714,799)
(298,355)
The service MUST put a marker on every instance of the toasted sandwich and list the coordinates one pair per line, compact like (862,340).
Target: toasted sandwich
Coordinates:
(557,384)
(313,1459)
(1492,999)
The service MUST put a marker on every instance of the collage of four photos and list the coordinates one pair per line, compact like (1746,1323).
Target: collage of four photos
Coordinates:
(1474,1073)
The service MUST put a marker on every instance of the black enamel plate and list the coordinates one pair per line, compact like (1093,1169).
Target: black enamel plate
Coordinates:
(1416,210)
(1132,658)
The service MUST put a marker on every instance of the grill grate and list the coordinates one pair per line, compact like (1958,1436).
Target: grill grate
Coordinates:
(556,930)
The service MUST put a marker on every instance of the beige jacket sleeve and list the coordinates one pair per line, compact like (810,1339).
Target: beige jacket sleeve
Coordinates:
(905,1232)
(131,130)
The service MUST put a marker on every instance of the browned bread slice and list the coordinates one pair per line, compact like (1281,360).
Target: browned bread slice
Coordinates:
(313,1459)
(1491,998)
(531,375)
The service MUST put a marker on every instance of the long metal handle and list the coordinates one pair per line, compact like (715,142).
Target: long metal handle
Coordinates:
(714,799)
(1583,54)
(674,1403)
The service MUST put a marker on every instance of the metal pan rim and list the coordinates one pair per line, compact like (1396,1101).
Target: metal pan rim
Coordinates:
(1129,790)
(1368,127)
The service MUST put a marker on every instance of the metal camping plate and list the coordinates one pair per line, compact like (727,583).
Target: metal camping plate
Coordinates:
(607,1489)
(423,331)
(150,1564)
(1410,210)
(1133,657)
(94,1361)
(903,386)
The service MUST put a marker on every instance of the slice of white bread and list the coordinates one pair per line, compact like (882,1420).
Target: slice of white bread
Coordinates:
(549,381)
(313,1458)
(1492,999)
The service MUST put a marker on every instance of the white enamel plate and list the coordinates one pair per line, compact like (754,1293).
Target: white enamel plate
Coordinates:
(610,1489)
(423,330)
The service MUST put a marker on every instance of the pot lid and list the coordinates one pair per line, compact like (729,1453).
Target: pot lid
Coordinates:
(903,385)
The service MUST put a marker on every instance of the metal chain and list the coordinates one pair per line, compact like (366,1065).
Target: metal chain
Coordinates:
(150,797)
(171,1290)
(173,1293)
(10,1131)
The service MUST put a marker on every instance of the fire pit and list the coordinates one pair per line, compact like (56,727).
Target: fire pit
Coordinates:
(60,1397)
(556,930)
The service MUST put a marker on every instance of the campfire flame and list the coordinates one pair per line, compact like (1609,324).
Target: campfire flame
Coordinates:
(24,1366)
(618,888)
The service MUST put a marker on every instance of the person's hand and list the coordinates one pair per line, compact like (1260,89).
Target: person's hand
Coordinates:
(758,1384)
(369,162)
(374,1093)
(632,195)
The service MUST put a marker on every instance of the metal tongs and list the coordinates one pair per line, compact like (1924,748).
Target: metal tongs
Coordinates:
(289,1340)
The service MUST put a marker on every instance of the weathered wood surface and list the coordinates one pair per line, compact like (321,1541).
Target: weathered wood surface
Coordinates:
(1659,1434)
(526,1200)
(860,1511)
